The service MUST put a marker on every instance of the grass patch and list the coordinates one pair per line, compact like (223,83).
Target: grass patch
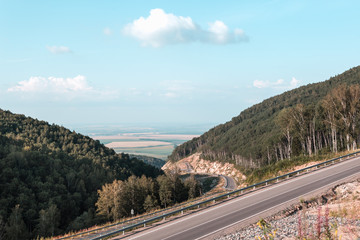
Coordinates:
(158,152)
(283,166)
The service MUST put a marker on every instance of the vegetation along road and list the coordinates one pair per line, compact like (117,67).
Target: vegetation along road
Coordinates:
(254,205)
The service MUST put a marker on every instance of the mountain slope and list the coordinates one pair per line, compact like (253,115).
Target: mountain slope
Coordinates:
(49,176)
(246,139)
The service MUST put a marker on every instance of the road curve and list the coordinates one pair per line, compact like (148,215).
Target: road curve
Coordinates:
(201,224)
(229,182)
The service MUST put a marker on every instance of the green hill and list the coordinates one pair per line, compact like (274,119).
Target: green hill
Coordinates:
(256,136)
(156,162)
(49,176)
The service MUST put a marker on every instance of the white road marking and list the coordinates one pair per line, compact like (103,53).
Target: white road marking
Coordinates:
(242,198)
(328,185)
(264,200)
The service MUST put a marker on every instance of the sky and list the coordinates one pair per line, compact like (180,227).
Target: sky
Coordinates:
(78,63)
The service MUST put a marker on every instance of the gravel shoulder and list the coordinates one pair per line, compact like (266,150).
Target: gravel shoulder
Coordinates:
(339,205)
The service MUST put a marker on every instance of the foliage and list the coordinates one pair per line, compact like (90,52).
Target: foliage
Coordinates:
(297,122)
(267,230)
(116,200)
(156,162)
(15,228)
(50,175)
(322,229)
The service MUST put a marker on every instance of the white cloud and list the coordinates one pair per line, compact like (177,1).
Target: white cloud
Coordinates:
(31,85)
(59,89)
(58,49)
(294,82)
(161,28)
(52,84)
(261,84)
(107,31)
(279,84)
(177,88)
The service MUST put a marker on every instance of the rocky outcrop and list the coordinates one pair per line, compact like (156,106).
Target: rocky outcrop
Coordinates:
(195,164)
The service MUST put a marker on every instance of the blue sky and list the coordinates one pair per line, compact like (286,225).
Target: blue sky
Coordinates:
(166,62)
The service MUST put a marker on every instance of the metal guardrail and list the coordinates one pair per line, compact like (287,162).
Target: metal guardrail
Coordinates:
(226,195)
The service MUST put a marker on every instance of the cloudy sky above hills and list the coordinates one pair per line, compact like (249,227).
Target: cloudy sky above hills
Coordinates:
(74,62)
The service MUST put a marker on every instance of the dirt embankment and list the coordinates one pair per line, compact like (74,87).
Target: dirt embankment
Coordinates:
(195,164)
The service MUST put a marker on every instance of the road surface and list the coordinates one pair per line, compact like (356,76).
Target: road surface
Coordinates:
(229,183)
(204,223)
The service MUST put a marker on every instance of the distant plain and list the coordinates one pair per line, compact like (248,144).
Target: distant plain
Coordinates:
(148,142)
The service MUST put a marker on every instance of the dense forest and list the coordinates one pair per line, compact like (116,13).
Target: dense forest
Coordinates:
(319,117)
(156,162)
(120,198)
(49,177)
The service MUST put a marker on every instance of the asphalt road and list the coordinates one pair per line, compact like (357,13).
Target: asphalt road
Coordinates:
(201,224)
(229,182)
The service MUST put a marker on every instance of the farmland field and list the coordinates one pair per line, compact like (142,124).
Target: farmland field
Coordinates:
(153,144)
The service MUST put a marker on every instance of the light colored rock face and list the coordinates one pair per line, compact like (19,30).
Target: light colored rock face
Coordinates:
(349,190)
(195,164)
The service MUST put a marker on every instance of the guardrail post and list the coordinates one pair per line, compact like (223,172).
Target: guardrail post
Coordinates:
(242,191)
(287,176)
(266,183)
(254,187)
(123,232)
(228,196)
(277,179)
(214,201)
(182,212)
(298,173)
(198,206)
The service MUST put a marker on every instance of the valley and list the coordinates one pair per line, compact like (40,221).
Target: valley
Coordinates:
(151,142)
(69,181)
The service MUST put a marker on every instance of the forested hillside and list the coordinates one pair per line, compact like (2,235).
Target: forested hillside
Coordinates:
(49,177)
(315,118)
(156,162)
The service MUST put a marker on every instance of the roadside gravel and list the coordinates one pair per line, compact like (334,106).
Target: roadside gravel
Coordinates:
(343,206)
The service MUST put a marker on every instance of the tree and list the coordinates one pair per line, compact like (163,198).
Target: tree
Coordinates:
(330,120)
(49,221)
(150,203)
(343,108)
(16,228)
(179,191)
(2,228)
(193,186)
(287,123)
(165,190)
(108,203)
